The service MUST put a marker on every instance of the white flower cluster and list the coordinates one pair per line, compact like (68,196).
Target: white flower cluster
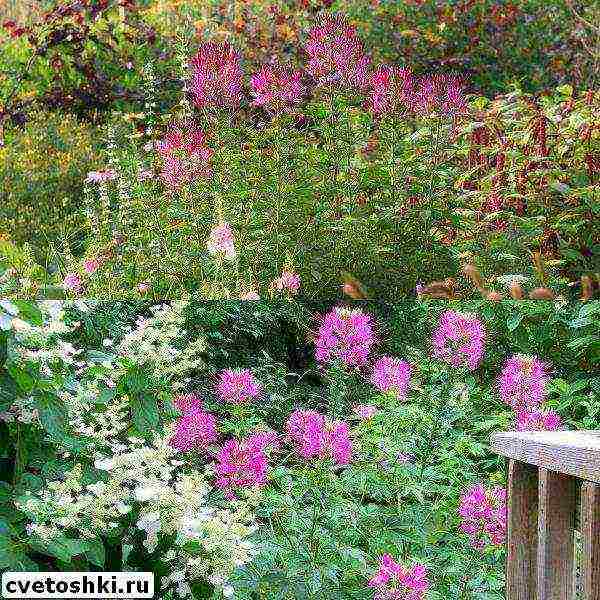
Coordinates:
(39,344)
(101,426)
(154,342)
(210,542)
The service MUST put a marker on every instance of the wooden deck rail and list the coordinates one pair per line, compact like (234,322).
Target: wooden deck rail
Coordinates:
(552,477)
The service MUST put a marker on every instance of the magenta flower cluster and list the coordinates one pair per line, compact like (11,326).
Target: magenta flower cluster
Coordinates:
(216,76)
(315,436)
(244,463)
(522,382)
(393,581)
(459,339)
(346,335)
(391,375)
(522,385)
(538,420)
(336,53)
(277,88)
(73,283)
(483,514)
(195,429)
(398,89)
(237,386)
(185,156)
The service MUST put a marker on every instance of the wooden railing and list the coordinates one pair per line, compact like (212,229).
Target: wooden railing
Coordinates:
(553,485)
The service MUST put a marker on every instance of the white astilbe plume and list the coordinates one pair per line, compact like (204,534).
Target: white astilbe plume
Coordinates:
(168,501)
(157,341)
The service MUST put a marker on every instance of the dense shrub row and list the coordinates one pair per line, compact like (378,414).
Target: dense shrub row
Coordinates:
(261,450)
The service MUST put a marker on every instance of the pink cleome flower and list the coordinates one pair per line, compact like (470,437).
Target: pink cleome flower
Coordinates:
(483,515)
(364,411)
(216,76)
(237,386)
(522,382)
(195,430)
(220,241)
(73,283)
(393,581)
(287,281)
(91,265)
(538,420)
(277,88)
(397,89)
(346,335)
(336,53)
(390,86)
(391,375)
(243,463)
(187,403)
(459,339)
(315,436)
(185,156)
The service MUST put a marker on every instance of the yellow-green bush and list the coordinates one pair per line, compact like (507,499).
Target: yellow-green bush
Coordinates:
(42,170)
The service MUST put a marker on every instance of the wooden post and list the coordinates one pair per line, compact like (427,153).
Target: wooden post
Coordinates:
(590,531)
(521,564)
(556,529)
(541,567)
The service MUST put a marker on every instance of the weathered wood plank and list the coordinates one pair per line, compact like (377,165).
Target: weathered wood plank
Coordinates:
(556,528)
(521,563)
(575,453)
(590,531)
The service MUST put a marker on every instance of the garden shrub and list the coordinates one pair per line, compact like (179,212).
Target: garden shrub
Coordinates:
(373,453)
(42,169)
(79,57)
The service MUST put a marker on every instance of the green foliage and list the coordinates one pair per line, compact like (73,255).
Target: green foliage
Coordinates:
(42,167)
(321,528)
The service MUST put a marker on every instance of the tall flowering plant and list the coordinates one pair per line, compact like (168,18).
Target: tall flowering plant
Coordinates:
(483,516)
(216,76)
(336,54)
(459,340)
(393,581)
(522,385)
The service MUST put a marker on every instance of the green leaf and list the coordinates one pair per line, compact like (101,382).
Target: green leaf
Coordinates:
(514,321)
(144,412)
(95,552)
(61,547)
(53,415)
(29,311)
(8,391)
(22,378)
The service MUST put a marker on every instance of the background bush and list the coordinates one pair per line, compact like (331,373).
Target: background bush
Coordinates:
(42,168)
